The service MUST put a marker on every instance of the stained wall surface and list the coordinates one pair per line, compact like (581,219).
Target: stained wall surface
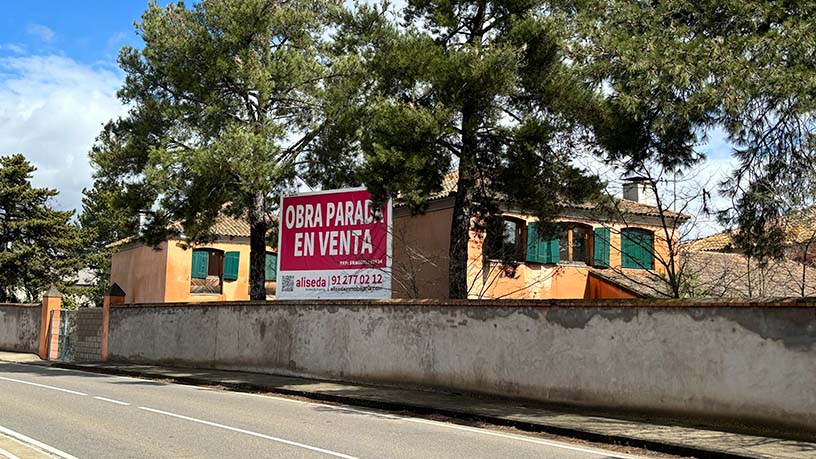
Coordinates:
(754,362)
(19,327)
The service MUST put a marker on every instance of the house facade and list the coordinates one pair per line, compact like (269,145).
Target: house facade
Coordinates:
(615,253)
(177,271)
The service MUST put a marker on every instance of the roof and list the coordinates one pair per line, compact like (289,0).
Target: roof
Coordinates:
(799,228)
(624,206)
(718,274)
(225,226)
(644,284)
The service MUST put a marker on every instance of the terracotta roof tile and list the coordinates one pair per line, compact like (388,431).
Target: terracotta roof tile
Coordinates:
(449,182)
(799,228)
(225,225)
(730,275)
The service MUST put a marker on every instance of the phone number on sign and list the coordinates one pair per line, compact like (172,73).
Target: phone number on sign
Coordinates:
(357,279)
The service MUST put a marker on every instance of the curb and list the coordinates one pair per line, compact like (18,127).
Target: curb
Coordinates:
(662,447)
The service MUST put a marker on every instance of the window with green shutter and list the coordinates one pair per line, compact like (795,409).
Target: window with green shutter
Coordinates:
(601,248)
(637,248)
(549,251)
(231,262)
(200,266)
(271,271)
(541,251)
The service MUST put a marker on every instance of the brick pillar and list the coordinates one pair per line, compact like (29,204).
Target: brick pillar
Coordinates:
(115,295)
(52,301)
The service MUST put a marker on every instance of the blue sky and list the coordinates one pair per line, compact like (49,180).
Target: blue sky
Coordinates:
(58,83)
(59,77)
(90,32)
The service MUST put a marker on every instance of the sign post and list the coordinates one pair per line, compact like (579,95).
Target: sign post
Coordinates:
(334,245)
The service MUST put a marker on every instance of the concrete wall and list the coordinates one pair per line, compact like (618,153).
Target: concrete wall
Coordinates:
(754,362)
(19,327)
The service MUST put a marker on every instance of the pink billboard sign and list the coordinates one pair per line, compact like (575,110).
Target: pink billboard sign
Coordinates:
(334,244)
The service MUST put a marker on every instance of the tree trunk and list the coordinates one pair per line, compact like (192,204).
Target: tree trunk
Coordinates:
(257,247)
(459,237)
(462,208)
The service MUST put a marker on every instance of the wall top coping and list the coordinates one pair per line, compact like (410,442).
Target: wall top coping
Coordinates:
(19,305)
(809,302)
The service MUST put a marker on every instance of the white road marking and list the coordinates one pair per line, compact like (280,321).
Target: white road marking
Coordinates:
(112,401)
(7,454)
(41,385)
(551,443)
(38,444)
(249,432)
(446,425)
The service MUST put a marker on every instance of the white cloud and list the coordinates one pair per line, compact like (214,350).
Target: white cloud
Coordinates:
(13,47)
(51,110)
(42,32)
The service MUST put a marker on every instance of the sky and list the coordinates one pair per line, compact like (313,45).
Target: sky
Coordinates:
(58,83)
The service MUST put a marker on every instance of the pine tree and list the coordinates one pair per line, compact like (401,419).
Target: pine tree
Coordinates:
(477,86)
(224,97)
(38,245)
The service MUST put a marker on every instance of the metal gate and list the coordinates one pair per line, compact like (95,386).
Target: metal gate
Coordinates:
(62,335)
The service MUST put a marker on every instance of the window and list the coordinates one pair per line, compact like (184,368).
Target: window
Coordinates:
(504,239)
(577,243)
(637,248)
(574,243)
(271,271)
(210,268)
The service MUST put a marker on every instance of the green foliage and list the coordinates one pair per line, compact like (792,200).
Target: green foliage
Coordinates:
(676,68)
(656,78)
(38,245)
(476,86)
(225,97)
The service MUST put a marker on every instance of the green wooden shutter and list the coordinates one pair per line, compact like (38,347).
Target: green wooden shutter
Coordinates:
(637,247)
(646,250)
(201,259)
(601,248)
(231,262)
(550,251)
(627,249)
(271,271)
(532,243)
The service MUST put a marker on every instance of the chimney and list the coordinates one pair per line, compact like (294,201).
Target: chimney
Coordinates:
(640,190)
(144,216)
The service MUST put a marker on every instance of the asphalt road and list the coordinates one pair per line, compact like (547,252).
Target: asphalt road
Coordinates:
(87,415)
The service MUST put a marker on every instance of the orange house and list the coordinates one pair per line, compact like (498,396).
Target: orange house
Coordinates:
(618,254)
(177,271)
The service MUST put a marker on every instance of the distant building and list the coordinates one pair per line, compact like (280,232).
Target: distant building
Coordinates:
(596,254)
(178,271)
(715,267)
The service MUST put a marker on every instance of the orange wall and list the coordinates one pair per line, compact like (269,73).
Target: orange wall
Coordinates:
(420,264)
(538,281)
(148,276)
(599,288)
(179,270)
(420,245)
(140,271)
